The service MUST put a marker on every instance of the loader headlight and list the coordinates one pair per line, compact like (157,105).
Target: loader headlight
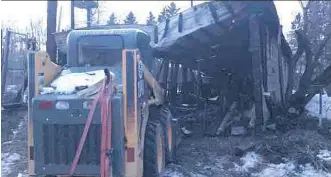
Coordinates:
(62,105)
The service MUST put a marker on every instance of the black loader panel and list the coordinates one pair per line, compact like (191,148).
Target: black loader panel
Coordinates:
(57,134)
(118,136)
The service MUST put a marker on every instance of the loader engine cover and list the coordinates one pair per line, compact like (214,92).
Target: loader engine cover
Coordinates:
(57,132)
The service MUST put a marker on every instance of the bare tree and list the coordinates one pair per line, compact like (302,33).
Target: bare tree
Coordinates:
(312,40)
(98,12)
(38,31)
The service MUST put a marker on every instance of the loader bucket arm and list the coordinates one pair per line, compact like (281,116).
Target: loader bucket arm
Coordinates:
(157,90)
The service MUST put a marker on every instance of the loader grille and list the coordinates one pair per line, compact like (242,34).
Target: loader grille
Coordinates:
(61,141)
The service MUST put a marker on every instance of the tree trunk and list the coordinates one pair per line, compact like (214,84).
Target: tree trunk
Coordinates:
(51,29)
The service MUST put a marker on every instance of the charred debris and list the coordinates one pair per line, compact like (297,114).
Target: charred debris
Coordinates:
(223,66)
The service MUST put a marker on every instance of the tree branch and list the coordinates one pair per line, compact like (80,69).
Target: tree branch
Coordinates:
(301,42)
(321,47)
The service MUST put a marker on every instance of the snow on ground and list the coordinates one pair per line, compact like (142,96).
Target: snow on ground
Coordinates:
(14,147)
(289,169)
(324,155)
(250,160)
(313,106)
(7,160)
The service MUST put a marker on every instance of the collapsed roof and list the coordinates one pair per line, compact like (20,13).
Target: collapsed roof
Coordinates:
(209,31)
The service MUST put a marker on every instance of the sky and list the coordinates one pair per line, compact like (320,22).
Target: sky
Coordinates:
(20,13)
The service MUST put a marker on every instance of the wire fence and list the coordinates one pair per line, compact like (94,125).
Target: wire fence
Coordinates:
(13,66)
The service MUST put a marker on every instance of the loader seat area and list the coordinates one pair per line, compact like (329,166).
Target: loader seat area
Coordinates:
(94,56)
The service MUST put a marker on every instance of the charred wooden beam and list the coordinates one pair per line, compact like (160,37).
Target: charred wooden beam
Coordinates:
(180,22)
(166,28)
(254,48)
(229,7)
(174,81)
(213,12)
(156,34)
(201,51)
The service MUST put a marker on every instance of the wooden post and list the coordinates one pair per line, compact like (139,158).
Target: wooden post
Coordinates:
(4,63)
(174,80)
(254,48)
(320,124)
(72,15)
(280,66)
(89,17)
(51,29)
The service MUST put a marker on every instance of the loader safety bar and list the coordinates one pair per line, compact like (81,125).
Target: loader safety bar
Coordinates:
(103,98)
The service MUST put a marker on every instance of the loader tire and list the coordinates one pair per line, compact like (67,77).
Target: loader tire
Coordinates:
(154,153)
(163,114)
(170,135)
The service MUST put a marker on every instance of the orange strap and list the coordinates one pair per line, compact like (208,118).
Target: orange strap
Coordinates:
(103,99)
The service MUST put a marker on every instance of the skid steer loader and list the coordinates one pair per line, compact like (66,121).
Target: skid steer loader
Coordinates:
(102,114)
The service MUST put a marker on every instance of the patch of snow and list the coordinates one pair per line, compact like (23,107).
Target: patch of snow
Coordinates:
(289,169)
(18,129)
(309,171)
(23,174)
(197,175)
(12,89)
(276,170)
(250,160)
(67,83)
(173,174)
(7,142)
(324,155)
(7,160)
(47,90)
(313,106)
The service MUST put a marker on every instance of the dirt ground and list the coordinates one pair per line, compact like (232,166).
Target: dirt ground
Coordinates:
(294,153)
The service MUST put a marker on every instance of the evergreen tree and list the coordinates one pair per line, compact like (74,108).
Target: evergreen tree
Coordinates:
(171,10)
(168,12)
(130,19)
(151,19)
(162,16)
(112,19)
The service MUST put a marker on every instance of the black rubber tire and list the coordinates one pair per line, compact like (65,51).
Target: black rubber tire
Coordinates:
(166,120)
(154,130)
(164,115)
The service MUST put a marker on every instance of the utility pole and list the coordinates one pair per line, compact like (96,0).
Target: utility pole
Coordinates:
(59,22)
(89,17)
(51,29)
(191,3)
(72,15)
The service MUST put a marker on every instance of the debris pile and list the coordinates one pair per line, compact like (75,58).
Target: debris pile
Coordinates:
(299,146)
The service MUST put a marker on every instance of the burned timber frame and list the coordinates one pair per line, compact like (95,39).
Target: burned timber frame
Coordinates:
(237,43)
(240,39)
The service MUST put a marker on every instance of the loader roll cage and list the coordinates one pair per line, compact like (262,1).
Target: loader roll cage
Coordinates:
(108,39)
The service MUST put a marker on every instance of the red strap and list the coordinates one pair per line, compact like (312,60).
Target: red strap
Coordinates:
(103,97)
(105,134)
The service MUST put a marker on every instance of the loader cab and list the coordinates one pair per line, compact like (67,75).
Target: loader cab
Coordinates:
(104,47)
